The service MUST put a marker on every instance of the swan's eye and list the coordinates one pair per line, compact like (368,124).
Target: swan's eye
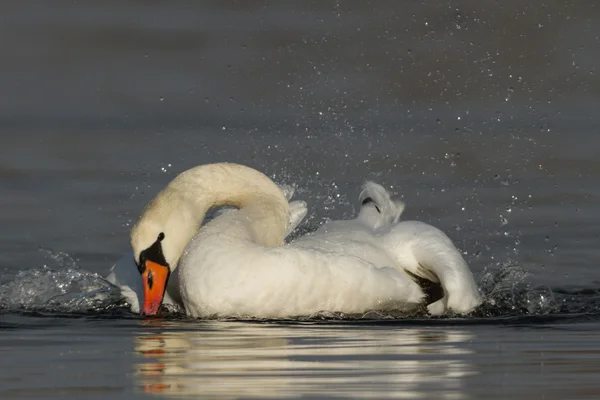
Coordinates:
(377,207)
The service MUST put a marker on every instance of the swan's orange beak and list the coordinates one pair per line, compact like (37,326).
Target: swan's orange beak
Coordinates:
(154,278)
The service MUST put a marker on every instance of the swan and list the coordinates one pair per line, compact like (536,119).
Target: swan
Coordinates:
(376,235)
(238,265)
(125,275)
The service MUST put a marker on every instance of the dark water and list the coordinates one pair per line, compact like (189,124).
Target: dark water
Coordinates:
(482,116)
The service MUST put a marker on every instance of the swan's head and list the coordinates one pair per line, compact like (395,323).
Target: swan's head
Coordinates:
(158,238)
(153,267)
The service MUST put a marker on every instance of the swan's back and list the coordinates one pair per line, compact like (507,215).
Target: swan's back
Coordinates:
(279,282)
(351,238)
(224,274)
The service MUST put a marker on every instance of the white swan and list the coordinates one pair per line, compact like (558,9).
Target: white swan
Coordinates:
(238,265)
(124,273)
(423,250)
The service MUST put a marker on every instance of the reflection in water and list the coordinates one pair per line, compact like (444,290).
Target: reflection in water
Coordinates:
(232,360)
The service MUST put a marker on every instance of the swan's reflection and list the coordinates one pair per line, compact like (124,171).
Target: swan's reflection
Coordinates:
(232,360)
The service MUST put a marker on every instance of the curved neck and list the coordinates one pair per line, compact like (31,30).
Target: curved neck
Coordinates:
(179,209)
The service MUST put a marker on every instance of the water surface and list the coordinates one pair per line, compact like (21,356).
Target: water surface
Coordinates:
(483,117)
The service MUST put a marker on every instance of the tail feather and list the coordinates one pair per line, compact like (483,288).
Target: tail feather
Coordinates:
(390,209)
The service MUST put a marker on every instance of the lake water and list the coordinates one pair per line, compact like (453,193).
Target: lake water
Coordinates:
(483,117)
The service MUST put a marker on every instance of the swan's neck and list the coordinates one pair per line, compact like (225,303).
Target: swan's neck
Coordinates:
(179,209)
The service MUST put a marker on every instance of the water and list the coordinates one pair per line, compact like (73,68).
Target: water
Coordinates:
(483,117)
(181,359)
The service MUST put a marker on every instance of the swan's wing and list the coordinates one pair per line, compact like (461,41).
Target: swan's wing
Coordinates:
(298,210)
(288,191)
(286,281)
(427,252)
(399,209)
(125,275)
(339,238)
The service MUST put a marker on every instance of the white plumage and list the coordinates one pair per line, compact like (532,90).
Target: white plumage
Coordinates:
(237,265)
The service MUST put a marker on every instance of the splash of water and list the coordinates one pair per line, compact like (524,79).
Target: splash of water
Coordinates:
(61,288)
(507,291)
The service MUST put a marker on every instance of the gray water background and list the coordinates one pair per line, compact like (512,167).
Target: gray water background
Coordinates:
(482,115)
